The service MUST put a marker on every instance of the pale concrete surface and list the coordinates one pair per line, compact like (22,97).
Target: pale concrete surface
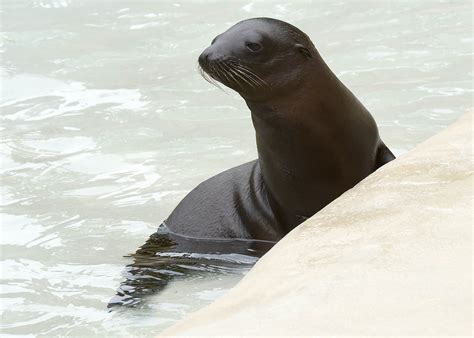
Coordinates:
(392,256)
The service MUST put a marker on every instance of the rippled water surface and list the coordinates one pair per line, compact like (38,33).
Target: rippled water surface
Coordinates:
(106,125)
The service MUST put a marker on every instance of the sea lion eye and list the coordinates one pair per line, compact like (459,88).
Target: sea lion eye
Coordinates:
(253,46)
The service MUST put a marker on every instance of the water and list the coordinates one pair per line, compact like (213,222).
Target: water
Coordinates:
(167,257)
(106,124)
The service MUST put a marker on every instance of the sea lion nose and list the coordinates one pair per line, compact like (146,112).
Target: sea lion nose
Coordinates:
(205,57)
(210,55)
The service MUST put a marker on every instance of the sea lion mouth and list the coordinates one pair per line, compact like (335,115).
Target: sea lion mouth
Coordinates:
(233,74)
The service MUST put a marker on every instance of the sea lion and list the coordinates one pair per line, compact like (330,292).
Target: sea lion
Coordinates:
(315,139)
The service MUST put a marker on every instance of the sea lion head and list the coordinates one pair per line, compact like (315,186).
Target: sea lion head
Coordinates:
(259,58)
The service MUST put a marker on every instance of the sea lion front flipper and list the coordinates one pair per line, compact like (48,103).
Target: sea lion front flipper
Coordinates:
(384,155)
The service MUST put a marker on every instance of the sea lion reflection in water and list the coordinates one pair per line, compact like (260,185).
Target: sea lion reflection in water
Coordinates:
(315,140)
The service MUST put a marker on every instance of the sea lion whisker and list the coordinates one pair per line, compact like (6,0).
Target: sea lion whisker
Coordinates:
(246,73)
(214,72)
(203,74)
(240,77)
(249,77)
(228,75)
(206,76)
(256,76)
(244,77)
(209,77)
(228,71)
(217,71)
(222,72)
(250,73)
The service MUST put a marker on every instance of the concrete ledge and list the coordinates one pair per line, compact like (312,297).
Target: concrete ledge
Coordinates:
(392,256)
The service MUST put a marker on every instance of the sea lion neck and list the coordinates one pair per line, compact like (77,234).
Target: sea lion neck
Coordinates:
(298,151)
(300,100)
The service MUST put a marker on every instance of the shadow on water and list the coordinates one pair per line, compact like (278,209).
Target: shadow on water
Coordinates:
(166,256)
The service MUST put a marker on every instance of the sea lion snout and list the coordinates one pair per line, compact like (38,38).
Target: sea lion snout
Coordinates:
(210,55)
(204,58)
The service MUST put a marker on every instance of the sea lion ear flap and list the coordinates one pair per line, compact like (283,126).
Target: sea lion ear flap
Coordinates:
(303,50)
